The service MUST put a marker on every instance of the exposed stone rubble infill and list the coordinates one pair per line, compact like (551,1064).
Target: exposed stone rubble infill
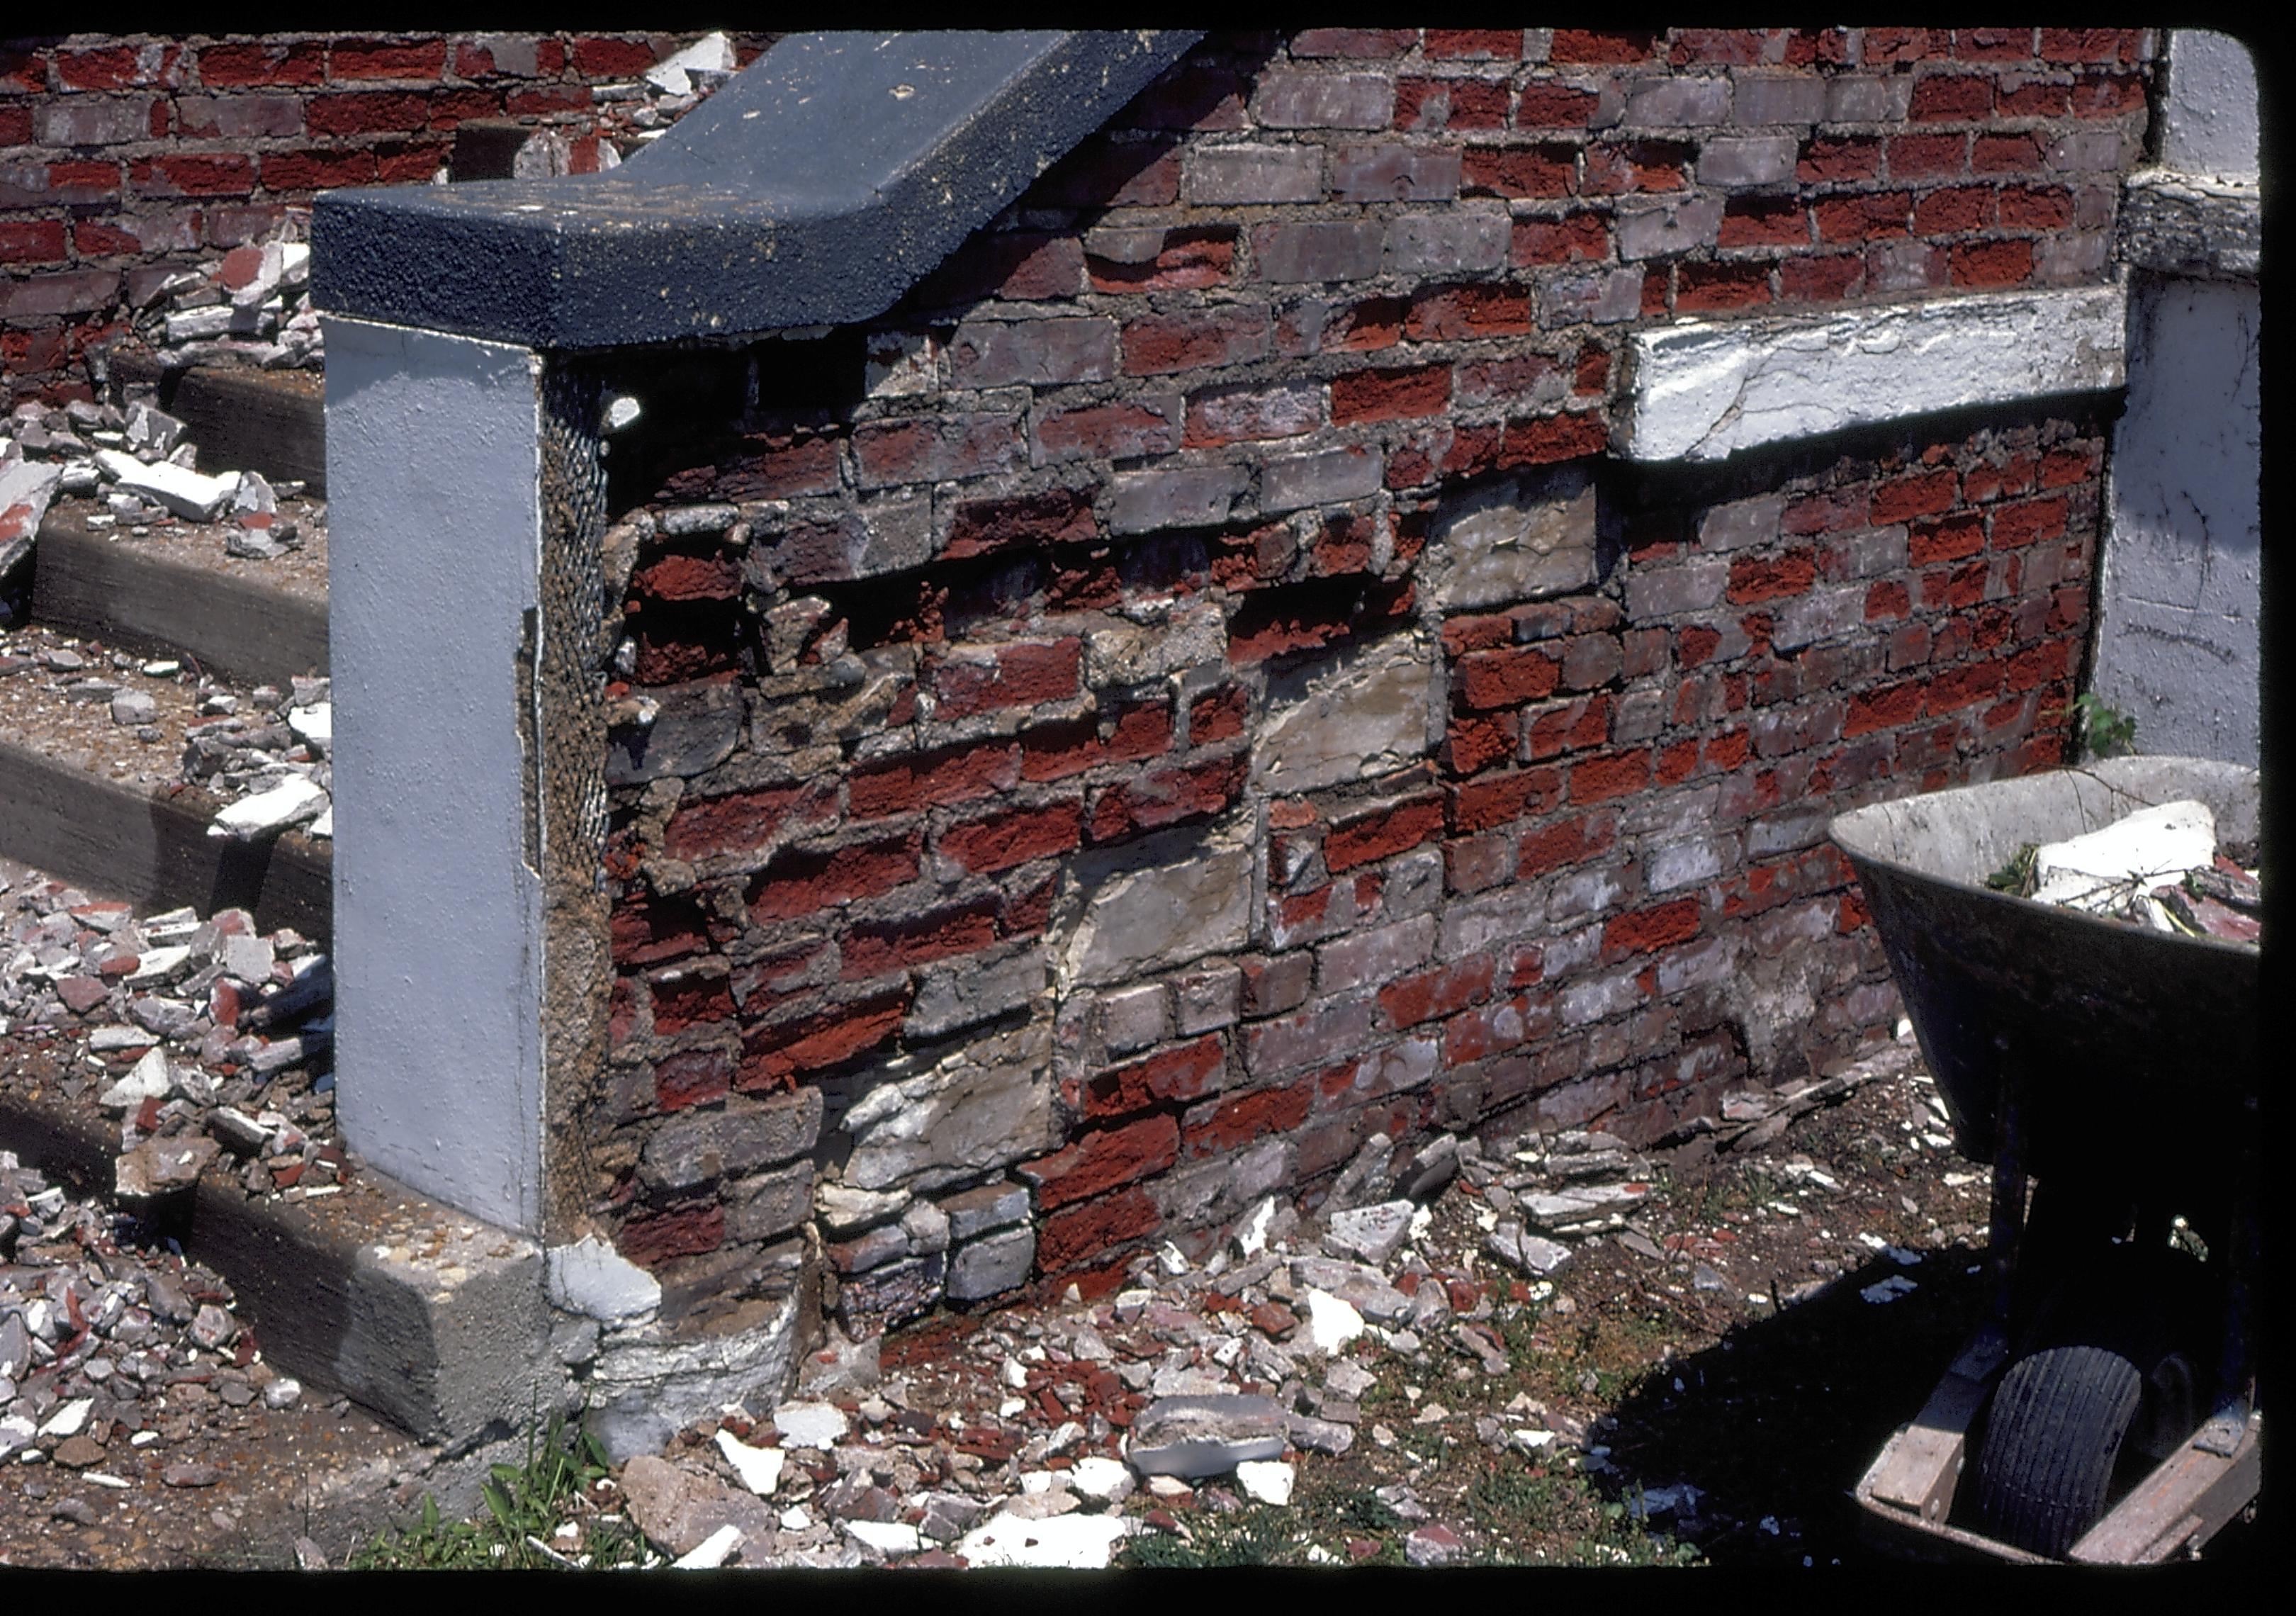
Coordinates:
(143,471)
(1048,1436)
(250,307)
(261,752)
(118,1368)
(209,1042)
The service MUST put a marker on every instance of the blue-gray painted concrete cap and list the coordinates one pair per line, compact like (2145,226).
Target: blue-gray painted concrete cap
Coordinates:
(813,188)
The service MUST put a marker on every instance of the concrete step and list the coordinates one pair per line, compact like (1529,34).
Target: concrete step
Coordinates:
(272,422)
(149,847)
(91,582)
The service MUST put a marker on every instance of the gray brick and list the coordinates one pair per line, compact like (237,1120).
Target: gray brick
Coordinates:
(1906,266)
(1747,160)
(1320,251)
(1873,551)
(771,1203)
(1819,615)
(1002,353)
(77,120)
(1330,477)
(992,1266)
(1133,1018)
(1210,999)
(1215,175)
(1603,297)
(1682,864)
(1785,832)
(1639,716)
(1677,102)
(1192,497)
(1296,99)
(1675,587)
(1868,100)
(2090,149)
(1374,956)
(1452,242)
(1740,522)
(1395,173)
(1775,99)
(992,1206)
(2072,255)
(974,989)
(703,1146)
(1649,229)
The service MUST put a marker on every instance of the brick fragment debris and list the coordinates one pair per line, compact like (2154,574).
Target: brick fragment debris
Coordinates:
(2160,868)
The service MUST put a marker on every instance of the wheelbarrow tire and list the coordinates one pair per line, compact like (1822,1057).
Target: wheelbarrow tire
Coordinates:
(2051,1443)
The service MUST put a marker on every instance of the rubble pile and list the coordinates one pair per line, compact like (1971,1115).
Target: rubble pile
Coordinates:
(2160,868)
(138,464)
(113,1359)
(207,1040)
(250,307)
(265,752)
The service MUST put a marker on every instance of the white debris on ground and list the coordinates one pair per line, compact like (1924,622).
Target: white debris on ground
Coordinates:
(2160,868)
(206,1041)
(112,1358)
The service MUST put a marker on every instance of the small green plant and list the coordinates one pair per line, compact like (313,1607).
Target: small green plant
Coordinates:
(525,1504)
(2020,874)
(1248,1536)
(2105,730)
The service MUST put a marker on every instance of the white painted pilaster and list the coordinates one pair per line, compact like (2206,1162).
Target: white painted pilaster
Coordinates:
(434,540)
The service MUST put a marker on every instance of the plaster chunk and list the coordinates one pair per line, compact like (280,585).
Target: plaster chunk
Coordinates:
(590,1277)
(1516,540)
(1162,901)
(1704,390)
(1353,720)
(984,1106)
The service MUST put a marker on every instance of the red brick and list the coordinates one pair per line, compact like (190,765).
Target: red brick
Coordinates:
(1505,678)
(1239,1120)
(1560,845)
(2036,208)
(773,1056)
(1615,167)
(1568,726)
(1983,264)
(1476,743)
(1187,261)
(111,68)
(1018,675)
(1573,45)
(1575,237)
(953,774)
(2004,154)
(798,884)
(40,242)
(1840,157)
(1704,286)
(1384,833)
(1054,751)
(2060,467)
(1168,796)
(1929,542)
(1763,221)
(2029,521)
(1218,715)
(1499,799)
(1310,616)
(2038,99)
(1106,172)
(1388,394)
(1451,313)
(1191,96)
(316,170)
(1545,105)
(599,57)
(1598,779)
(1921,494)
(692,1077)
(1022,265)
(1993,44)
(1437,993)
(385,59)
(745,819)
(693,1001)
(1469,44)
(919,939)
(1432,105)
(1545,439)
(2084,45)
(652,1238)
(368,112)
(1004,839)
(1939,97)
(1519,171)
(1862,218)
(1101,1161)
(1958,687)
(1760,578)
(254,62)
(689,577)
(647,930)
(1161,344)
(1952,210)
(1239,414)
(1887,46)
(1646,930)
(1887,599)
(541,101)
(1884,708)
(180,175)
(1075,1234)
(1188,1072)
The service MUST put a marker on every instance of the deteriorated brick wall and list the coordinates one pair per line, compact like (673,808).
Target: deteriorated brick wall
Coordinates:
(1199,695)
(123,158)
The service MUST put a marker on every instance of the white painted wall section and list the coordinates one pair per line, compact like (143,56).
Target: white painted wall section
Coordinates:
(434,538)
(1707,389)
(2209,124)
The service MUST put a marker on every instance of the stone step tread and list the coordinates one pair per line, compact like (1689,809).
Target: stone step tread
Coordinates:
(271,422)
(148,844)
(227,616)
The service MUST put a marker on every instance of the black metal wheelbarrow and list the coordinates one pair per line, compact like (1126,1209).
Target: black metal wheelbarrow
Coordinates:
(2106,1409)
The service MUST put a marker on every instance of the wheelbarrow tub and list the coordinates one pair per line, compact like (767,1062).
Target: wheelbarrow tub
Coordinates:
(2140,1049)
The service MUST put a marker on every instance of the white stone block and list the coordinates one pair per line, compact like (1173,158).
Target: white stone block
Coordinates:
(1707,389)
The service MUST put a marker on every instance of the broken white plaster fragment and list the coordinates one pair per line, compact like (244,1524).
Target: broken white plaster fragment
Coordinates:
(187,493)
(2090,872)
(1331,1322)
(760,1468)
(591,1278)
(292,798)
(1705,390)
